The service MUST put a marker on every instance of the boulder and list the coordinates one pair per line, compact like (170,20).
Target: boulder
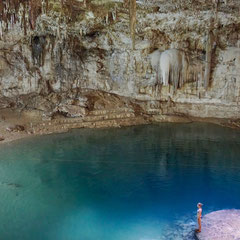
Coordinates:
(221,225)
(15,128)
(71,110)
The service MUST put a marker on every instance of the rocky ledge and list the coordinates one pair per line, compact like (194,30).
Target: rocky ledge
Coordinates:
(99,63)
(221,225)
(87,108)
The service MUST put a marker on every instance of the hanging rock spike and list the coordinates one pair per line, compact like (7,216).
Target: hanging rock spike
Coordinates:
(132,15)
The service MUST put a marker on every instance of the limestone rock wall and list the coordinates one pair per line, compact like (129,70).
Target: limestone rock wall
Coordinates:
(52,47)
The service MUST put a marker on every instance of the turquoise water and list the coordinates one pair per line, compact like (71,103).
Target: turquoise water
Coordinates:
(136,183)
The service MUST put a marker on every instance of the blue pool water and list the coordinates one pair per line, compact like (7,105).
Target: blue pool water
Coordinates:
(136,183)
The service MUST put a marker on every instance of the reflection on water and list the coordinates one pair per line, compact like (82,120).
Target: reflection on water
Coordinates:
(124,184)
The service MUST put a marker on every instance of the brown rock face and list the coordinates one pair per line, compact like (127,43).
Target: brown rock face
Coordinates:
(15,128)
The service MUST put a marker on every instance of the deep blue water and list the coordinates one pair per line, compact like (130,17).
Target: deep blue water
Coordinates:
(135,183)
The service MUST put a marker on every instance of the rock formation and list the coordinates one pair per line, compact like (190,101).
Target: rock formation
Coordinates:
(172,67)
(170,57)
(223,224)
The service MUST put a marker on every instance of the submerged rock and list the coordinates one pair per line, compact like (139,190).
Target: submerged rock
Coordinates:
(221,225)
(10,185)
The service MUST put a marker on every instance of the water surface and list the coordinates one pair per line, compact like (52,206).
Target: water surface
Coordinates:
(135,183)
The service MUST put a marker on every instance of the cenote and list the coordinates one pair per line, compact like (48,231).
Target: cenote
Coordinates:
(133,183)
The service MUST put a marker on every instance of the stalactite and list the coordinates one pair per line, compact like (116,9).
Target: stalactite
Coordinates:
(106,19)
(24,19)
(126,3)
(32,13)
(132,15)
(1,7)
(43,6)
(174,68)
(215,3)
(114,16)
(46,6)
(208,59)
(175,77)
(1,30)
(185,69)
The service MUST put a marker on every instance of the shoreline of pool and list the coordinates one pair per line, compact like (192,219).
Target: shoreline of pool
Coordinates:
(66,124)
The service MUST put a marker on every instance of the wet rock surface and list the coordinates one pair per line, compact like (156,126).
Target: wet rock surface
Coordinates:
(221,225)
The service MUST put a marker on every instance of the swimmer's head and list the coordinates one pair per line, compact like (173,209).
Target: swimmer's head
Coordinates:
(199,205)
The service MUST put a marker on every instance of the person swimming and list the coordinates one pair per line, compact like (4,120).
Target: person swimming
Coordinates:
(199,216)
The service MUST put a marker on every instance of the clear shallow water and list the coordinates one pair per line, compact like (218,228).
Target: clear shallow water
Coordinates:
(136,183)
